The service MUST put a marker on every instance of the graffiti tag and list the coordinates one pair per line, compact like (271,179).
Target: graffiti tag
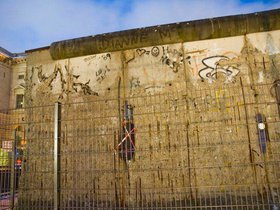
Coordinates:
(154,51)
(101,74)
(134,82)
(89,58)
(106,57)
(213,66)
(141,52)
(172,58)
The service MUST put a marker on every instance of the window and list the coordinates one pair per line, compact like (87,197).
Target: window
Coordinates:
(19,101)
(20,76)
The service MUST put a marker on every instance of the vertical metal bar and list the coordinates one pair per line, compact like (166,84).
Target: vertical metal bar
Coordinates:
(13,171)
(277,94)
(251,157)
(57,134)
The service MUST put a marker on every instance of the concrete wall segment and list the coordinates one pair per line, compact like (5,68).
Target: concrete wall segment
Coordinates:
(168,34)
(159,68)
(201,91)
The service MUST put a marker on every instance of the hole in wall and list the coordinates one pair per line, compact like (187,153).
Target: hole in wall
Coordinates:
(127,140)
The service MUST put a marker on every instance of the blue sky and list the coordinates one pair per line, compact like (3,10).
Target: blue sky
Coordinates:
(29,24)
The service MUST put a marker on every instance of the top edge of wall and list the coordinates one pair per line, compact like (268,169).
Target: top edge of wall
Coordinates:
(167,34)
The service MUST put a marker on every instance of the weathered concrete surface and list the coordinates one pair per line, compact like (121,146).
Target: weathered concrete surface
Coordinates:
(149,70)
(168,34)
(194,109)
(5,82)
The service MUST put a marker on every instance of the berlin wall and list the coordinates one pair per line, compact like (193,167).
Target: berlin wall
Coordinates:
(191,84)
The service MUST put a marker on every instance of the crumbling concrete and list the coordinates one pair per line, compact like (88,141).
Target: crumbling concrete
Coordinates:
(195,94)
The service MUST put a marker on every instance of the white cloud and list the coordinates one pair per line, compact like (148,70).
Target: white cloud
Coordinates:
(35,23)
(149,12)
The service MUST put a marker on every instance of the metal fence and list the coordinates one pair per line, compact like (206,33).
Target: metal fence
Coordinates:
(193,149)
(11,155)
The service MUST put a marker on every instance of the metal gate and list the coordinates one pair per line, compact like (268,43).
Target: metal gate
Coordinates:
(212,148)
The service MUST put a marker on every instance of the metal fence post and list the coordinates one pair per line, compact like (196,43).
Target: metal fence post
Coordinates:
(57,134)
(13,171)
(277,92)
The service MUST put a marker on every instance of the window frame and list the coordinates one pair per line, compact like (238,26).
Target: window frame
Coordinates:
(19,101)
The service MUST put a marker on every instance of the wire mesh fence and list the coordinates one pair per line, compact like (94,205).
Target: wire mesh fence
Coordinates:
(13,142)
(193,149)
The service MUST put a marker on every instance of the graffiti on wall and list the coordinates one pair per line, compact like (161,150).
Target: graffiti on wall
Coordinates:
(141,52)
(134,82)
(101,74)
(48,80)
(91,58)
(154,51)
(171,57)
(218,64)
(106,56)
(132,39)
(152,89)
(74,84)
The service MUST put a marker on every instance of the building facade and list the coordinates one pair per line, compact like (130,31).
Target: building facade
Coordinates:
(13,68)
(12,86)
